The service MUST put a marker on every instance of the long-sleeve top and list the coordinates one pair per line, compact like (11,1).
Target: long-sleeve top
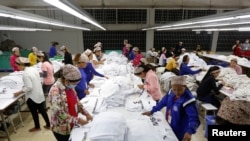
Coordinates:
(152,85)
(13,62)
(162,59)
(206,86)
(32,85)
(125,51)
(186,70)
(238,69)
(136,60)
(237,50)
(32,58)
(68,58)
(52,52)
(90,71)
(171,64)
(63,108)
(183,112)
(82,85)
(48,69)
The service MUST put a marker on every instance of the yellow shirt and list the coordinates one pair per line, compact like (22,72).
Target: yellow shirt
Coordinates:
(32,58)
(171,64)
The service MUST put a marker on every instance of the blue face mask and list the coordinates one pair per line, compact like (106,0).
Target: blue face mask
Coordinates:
(71,86)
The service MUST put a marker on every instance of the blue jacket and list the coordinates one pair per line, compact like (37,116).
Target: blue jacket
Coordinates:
(186,70)
(90,71)
(82,85)
(52,52)
(184,112)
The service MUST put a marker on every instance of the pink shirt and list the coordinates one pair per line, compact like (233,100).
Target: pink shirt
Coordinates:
(13,62)
(152,85)
(49,80)
(238,69)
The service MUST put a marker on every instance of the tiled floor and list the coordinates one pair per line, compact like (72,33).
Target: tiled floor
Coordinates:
(46,135)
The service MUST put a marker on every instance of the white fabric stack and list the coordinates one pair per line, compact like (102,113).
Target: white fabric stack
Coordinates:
(191,83)
(114,57)
(115,90)
(139,104)
(98,81)
(142,130)
(94,104)
(194,60)
(12,81)
(108,126)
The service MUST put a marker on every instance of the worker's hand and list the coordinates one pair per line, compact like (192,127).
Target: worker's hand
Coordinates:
(91,85)
(147,113)
(82,121)
(106,77)
(89,117)
(187,137)
(223,83)
(16,94)
(141,86)
(86,92)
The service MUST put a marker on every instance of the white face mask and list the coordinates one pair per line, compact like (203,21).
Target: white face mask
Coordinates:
(71,86)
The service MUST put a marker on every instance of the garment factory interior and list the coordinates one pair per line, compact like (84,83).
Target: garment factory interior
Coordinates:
(205,41)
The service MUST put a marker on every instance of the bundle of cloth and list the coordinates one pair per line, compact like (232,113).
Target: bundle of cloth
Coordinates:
(194,60)
(240,84)
(139,103)
(142,129)
(108,126)
(115,90)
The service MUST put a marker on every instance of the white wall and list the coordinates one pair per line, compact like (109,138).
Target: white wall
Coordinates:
(73,39)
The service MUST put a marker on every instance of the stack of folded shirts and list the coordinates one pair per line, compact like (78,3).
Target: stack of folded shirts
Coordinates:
(142,130)
(108,126)
(94,104)
(139,104)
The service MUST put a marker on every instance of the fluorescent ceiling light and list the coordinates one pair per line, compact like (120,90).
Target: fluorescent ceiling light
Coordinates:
(25,16)
(176,28)
(59,4)
(16,28)
(242,17)
(214,20)
(224,29)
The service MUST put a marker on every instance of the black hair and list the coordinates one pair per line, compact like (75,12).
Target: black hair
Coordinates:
(55,43)
(210,70)
(24,64)
(46,58)
(147,67)
(185,58)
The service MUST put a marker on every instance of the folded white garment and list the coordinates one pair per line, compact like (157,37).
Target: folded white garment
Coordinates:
(108,126)
(142,130)
(94,104)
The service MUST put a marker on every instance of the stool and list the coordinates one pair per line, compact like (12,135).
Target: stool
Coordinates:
(208,107)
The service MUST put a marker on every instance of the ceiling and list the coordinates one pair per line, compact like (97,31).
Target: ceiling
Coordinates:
(192,4)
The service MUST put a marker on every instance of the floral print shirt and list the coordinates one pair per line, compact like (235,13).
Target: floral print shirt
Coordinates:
(61,121)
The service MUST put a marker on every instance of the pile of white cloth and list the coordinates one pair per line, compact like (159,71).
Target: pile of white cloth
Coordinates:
(139,104)
(94,104)
(115,90)
(108,126)
(194,60)
(142,129)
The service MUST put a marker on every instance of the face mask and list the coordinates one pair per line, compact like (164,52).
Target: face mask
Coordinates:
(71,86)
